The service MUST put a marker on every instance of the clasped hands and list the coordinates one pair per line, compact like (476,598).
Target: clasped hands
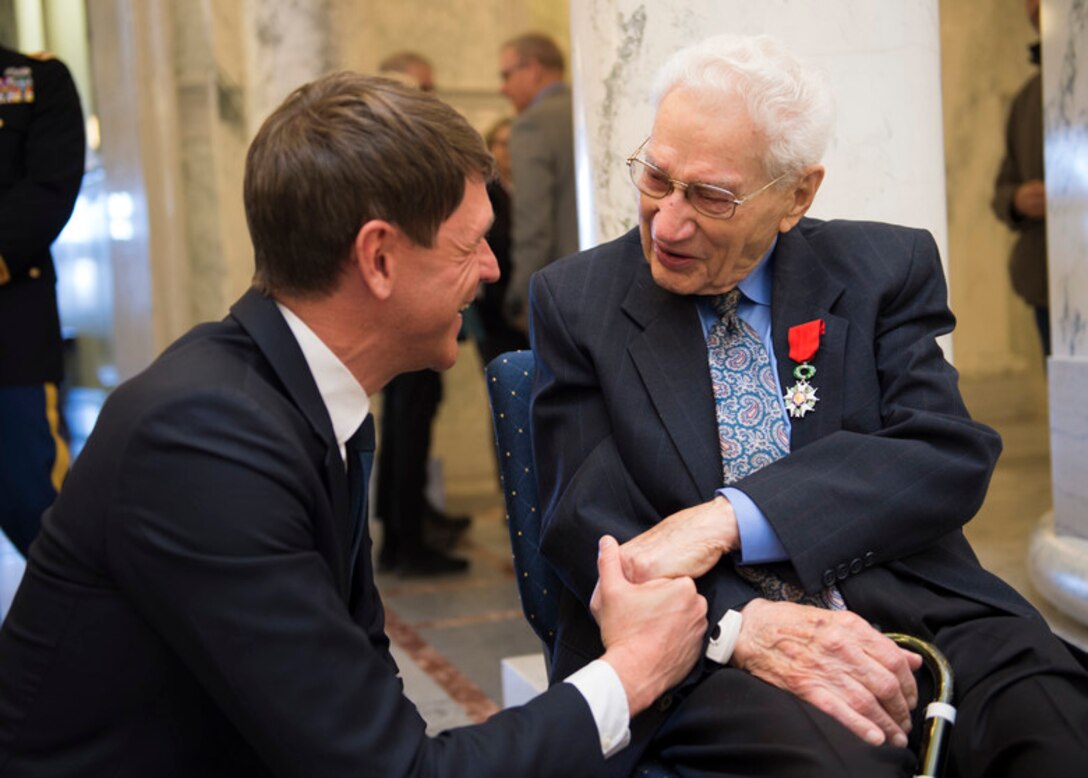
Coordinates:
(834,660)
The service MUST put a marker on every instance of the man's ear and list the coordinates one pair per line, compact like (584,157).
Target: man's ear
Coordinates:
(802,196)
(374,253)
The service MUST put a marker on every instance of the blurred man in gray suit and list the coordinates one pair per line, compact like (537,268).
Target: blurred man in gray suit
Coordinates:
(542,156)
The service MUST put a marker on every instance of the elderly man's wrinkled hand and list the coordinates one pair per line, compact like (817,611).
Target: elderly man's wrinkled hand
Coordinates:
(834,660)
(687,543)
(652,632)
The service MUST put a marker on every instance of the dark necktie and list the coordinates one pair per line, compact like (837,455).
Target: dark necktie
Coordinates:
(360,456)
(751,426)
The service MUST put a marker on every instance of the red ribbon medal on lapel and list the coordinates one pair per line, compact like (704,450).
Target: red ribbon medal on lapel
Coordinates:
(804,340)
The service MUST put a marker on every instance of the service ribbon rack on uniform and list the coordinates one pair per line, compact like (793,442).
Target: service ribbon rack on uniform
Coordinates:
(804,340)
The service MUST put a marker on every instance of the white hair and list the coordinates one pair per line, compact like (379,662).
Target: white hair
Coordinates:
(788,100)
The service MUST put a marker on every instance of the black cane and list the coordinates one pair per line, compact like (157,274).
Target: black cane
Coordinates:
(940,713)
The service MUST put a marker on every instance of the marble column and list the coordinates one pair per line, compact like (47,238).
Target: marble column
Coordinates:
(1059,551)
(886,160)
(142,190)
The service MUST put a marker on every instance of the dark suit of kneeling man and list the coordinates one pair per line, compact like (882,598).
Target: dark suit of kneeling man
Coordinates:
(201,599)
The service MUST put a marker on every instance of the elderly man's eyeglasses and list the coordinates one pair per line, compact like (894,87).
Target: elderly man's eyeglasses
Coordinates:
(707,199)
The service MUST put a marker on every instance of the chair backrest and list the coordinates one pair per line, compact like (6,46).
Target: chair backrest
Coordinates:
(510,384)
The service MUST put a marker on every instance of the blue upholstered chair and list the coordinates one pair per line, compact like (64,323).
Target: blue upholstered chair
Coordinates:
(510,384)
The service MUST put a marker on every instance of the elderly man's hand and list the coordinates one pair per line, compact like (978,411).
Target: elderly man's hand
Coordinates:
(652,632)
(834,660)
(687,543)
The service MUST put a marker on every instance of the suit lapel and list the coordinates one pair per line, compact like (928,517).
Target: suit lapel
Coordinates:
(670,356)
(261,319)
(803,291)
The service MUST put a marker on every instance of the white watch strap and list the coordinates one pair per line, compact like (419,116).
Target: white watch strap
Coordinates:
(721,646)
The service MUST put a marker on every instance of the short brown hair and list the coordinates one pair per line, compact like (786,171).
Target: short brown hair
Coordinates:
(344,150)
(401,61)
(538,46)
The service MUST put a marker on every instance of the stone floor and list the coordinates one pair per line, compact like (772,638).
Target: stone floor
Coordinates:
(450,634)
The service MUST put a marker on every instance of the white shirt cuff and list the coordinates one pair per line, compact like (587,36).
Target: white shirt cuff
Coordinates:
(607,701)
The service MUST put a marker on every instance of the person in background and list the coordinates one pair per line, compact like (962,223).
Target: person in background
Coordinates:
(413,68)
(415,532)
(1020,194)
(42,151)
(494,332)
(542,162)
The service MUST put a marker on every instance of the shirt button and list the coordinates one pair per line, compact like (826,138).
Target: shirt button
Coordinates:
(34,272)
(664,703)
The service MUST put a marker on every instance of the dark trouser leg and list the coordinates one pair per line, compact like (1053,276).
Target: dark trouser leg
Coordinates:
(409,406)
(1022,700)
(1042,322)
(33,459)
(733,724)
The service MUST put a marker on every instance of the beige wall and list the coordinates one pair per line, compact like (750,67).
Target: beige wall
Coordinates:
(984,62)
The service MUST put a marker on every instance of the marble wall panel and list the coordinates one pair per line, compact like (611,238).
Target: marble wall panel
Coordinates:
(1065,109)
(232,127)
(193,63)
(1065,89)
(886,161)
(287,43)
(132,68)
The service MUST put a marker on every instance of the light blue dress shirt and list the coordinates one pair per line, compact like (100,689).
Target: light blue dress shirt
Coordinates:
(758,542)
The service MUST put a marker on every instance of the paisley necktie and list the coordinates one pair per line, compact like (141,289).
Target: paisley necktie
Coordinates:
(751,427)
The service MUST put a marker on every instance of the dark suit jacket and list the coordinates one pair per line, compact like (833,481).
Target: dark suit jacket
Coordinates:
(882,475)
(41,167)
(186,609)
(545,201)
(1024,162)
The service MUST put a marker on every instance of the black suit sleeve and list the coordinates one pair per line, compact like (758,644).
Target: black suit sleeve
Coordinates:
(909,466)
(211,536)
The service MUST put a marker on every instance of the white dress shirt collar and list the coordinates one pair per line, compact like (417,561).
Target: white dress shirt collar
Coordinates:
(344,398)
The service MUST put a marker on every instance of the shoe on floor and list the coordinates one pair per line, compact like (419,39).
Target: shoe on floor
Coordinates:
(424,562)
(439,520)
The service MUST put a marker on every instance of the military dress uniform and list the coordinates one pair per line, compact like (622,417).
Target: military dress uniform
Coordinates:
(41,166)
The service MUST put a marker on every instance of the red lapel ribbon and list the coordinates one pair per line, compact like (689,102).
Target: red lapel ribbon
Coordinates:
(804,339)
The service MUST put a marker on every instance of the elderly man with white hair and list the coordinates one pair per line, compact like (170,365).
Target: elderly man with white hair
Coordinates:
(757,399)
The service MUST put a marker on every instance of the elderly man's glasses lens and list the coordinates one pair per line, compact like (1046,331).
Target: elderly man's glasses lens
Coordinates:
(707,199)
